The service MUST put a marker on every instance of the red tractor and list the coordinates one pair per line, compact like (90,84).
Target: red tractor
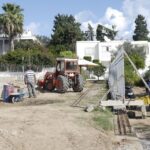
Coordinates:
(67,75)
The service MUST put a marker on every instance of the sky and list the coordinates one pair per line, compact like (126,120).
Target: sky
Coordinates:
(39,14)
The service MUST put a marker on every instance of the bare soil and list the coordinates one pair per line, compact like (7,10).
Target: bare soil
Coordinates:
(49,122)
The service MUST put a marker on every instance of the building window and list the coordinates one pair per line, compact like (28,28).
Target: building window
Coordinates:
(107,49)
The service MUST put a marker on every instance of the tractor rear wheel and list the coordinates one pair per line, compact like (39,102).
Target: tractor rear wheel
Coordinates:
(78,87)
(62,84)
(49,85)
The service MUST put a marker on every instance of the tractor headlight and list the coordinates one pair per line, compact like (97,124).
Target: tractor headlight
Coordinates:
(71,74)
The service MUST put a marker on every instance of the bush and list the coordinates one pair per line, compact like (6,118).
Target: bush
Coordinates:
(28,45)
(99,70)
(56,49)
(67,54)
(89,58)
(96,61)
(137,55)
(22,58)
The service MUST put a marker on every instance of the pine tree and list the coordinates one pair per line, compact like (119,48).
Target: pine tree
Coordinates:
(103,32)
(141,32)
(100,33)
(66,32)
(89,34)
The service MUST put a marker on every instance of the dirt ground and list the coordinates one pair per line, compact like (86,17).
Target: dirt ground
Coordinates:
(49,122)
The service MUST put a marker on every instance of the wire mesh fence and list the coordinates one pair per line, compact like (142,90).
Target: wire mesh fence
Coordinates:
(116,77)
(20,68)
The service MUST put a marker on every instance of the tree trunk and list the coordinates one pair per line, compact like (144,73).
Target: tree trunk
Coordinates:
(12,44)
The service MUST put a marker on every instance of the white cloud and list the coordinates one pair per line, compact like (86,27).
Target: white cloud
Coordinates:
(84,16)
(111,17)
(115,17)
(132,8)
(84,25)
(123,19)
(33,27)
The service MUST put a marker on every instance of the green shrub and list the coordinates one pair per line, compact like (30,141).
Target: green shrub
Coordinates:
(99,70)
(96,61)
(89,58)
(137,55)
(22,57)
(67,54)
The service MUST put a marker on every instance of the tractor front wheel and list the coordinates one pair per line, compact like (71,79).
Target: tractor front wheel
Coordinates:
(78,87)
(62,84)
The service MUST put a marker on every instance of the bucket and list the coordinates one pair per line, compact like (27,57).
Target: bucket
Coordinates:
(7,90)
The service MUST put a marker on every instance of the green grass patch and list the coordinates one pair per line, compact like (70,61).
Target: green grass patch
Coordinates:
(103,119)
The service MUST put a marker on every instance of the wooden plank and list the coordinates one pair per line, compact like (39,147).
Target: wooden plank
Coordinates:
(120,103)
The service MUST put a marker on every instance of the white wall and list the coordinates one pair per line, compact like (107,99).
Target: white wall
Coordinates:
(4,41)
(26,35)
(95,49)
(104,50)
(4,45)
(87,48)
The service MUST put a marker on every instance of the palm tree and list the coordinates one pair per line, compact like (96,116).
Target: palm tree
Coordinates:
(11,22)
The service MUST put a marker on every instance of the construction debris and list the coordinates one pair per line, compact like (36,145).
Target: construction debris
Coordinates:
(89,108)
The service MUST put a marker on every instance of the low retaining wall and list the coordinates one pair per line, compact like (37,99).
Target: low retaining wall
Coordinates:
(16,78)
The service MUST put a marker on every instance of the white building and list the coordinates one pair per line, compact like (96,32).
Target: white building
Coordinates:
(4,45)
(27,35)
(103,50)
(4,41)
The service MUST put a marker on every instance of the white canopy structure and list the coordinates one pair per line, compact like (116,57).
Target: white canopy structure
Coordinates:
(83,62)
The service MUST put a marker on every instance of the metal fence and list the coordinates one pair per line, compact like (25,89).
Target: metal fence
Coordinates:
(20,68)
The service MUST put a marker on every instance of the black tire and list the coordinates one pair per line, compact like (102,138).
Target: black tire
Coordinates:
(49,86)
(78,87)
(62,84)
(131,114)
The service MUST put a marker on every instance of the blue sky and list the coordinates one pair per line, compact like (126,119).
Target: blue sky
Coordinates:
(39,15)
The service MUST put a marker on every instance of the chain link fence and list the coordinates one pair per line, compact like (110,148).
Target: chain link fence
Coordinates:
(20,68)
